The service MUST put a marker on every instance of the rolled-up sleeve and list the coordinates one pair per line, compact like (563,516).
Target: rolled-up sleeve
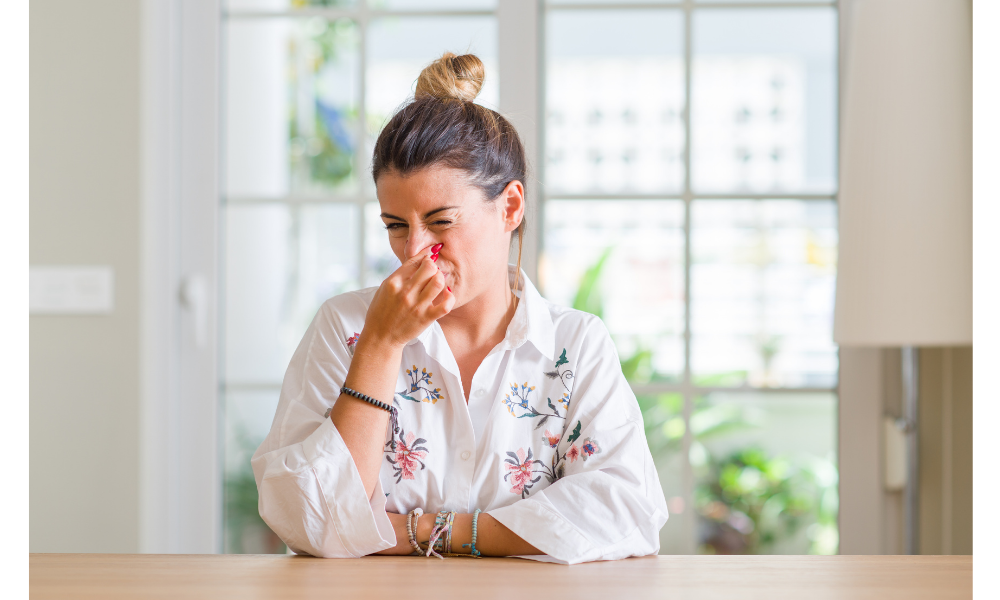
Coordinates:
(607,503)
(310,492)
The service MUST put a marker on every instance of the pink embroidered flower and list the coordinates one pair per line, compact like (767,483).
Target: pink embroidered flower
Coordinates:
(590,448)
(551,438)
(352,342)
(408,455)
(519,471)
(573,453)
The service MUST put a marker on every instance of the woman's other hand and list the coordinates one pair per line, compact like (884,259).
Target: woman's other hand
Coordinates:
(407,302)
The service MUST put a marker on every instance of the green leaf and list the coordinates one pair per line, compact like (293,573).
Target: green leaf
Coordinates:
(638,367)
(588,295)
(576,433)
(562,359)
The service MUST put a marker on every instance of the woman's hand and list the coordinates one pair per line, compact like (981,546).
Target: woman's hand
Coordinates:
(407,302)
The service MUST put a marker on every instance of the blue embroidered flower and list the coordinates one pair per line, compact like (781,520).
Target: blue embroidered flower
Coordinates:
(420,382)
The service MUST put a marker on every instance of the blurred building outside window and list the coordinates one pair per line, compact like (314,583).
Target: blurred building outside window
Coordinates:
(711,262)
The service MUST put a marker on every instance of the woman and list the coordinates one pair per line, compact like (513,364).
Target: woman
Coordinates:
(454,387)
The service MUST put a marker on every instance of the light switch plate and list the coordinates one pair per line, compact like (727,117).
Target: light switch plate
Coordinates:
(79,290)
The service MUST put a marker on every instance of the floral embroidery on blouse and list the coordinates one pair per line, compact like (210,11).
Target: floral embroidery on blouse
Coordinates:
(576,433)
(519,467)
(420,381)
(589,448)
(563,376)
(557,469)
(552,439)
(520,402)
(405,453)
(352,342)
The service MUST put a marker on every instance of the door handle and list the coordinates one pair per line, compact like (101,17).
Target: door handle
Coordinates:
(194,297)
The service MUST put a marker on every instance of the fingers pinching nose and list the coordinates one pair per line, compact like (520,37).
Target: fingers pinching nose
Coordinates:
(435,249)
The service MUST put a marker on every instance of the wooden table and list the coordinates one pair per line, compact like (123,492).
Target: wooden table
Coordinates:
(110,576)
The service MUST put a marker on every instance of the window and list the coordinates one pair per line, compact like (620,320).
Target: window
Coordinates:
(307,87)
(687,195)
(689,200)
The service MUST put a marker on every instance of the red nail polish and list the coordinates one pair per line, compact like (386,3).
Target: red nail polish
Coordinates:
(434,257)
(449,289)
(436,248)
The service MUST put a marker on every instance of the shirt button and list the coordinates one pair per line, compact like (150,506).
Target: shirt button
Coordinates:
(480,393)
(466,455)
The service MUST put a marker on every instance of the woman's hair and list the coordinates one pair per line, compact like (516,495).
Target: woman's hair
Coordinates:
(443,126)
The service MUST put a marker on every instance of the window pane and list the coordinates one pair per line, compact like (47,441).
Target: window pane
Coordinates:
(277,5)
(762,286)
(614,101)
(609,2)
(248,416)
(764,100)
(400,47)
(380,262)
(416,5)
(663,418)
(622,260)
(765,472)
(282,262)
(769,1)
(291,106)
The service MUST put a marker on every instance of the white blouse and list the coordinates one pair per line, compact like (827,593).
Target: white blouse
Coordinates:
(551,442)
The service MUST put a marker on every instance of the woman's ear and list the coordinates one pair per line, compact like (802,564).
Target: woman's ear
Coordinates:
(511,203)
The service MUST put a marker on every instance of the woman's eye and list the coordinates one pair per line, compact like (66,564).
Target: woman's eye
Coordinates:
(441,223)
(391,226)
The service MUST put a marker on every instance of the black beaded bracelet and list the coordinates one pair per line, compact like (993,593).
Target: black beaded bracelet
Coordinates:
(366,398)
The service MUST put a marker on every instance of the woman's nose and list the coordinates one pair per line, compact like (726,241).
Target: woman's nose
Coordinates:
(417,241)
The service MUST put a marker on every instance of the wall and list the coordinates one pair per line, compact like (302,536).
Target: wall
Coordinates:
(945,448)
(84,209)
(859,448)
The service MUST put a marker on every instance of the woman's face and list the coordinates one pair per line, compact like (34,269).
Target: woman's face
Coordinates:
(439,205)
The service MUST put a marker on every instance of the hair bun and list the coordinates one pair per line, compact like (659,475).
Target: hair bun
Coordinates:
(452,77)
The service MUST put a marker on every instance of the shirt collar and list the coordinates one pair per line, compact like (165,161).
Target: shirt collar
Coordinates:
(532,321)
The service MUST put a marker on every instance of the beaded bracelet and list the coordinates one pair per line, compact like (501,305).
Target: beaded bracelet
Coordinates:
(475,525)
(412,519)
(346,390)
(439,544)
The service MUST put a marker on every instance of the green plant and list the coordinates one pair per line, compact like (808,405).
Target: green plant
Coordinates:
(246,531)
(663,419)
(748,501)
(751,502)
(588,296)
(637,368)
(322,139)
